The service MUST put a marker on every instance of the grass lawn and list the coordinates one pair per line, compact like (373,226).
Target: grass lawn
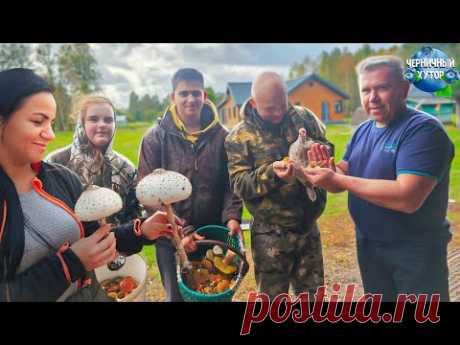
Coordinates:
(128,140)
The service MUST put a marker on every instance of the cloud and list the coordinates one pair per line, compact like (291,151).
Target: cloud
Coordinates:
(148,68)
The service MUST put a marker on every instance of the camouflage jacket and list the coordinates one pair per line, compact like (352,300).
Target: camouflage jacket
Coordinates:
(203,163)
(252,146)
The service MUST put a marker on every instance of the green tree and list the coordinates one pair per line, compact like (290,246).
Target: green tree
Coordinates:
(214,97)
(47,59)
(47,62)
(64,107)
(78,68)
(308,65)
(156,103)
(15,55)
(165,103)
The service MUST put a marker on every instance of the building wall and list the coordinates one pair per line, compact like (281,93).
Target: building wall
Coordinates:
(312,94)
(443,111)
(229,113)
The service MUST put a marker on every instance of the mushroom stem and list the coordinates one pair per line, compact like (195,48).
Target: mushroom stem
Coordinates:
(177,240)
(228,259)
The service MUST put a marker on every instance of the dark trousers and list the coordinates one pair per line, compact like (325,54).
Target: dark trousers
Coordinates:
(166,260)
(404,267)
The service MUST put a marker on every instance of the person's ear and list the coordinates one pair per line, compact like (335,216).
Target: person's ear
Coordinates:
(405,88)
(2,126)
(205,94)
(173,97)
(252,102)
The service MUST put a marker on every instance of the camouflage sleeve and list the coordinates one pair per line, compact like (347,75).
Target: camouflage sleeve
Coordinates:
(60,156)
(246,181)
(233,205)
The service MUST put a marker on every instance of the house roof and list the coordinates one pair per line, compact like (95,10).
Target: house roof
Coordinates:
(295,83)
(415,93)
(422,97)
(241,91)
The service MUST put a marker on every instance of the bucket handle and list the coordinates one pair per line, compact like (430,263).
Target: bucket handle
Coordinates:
(191,229)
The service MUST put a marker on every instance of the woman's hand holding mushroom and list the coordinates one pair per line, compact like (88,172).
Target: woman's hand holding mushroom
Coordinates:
(158,225)
(96,250)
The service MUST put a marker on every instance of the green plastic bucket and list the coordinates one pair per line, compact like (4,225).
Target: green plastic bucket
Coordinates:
(215,234)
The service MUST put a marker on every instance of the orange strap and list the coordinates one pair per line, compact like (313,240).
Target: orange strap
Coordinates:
(38,186)
(65,268)
(5,211)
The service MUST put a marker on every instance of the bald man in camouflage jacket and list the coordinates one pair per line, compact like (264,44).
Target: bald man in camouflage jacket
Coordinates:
(286,244)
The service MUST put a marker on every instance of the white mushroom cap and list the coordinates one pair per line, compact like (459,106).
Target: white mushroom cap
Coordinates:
(97,203)
(163,187)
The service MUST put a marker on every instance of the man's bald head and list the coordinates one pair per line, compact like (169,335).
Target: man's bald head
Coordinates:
(269,96)
(268,81)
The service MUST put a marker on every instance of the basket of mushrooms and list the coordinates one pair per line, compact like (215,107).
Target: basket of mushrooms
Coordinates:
(216,269)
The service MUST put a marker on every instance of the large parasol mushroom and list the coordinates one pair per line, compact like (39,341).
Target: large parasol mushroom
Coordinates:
(96,204)
(164,187)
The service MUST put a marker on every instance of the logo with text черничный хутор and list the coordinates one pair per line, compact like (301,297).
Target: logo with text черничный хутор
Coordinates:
(431,70)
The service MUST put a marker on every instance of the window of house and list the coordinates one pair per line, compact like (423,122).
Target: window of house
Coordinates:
(338,107)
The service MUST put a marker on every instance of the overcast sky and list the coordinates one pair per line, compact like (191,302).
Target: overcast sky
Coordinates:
(147,68)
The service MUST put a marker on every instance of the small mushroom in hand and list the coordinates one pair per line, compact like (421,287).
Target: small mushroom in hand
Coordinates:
(97,203)
(164,187)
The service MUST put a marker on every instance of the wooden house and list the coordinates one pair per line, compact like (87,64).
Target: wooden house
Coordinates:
(319,95)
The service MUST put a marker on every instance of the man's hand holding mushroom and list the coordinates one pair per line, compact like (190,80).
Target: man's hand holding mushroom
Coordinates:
(234,227)
(284,170)
(189,242)
(322,172)
(163,188)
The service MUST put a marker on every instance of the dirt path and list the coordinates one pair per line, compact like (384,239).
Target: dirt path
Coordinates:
(340,263)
